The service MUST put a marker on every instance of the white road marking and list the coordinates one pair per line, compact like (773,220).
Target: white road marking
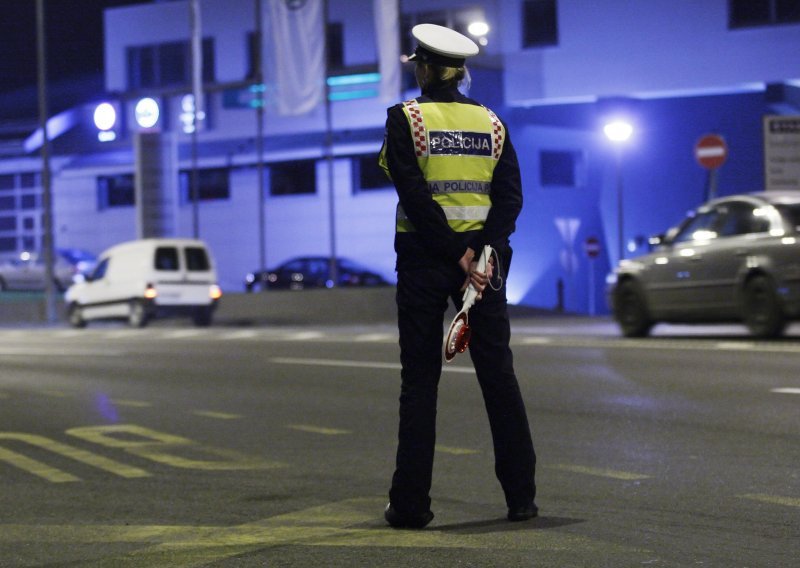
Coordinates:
(356,364)
(374,337)
(23,351)
(786,390)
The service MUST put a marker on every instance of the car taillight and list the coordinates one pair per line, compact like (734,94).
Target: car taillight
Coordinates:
(215,292)
(150,292)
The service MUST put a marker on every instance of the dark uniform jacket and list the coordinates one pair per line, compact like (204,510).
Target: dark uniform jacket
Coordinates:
(434,243)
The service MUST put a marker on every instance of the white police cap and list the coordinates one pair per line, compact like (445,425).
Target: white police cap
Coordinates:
(441,46)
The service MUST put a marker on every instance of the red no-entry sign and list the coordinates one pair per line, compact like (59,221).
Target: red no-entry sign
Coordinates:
(592,247)
(711,151)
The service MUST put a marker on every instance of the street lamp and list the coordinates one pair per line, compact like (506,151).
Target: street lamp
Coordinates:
(619,132)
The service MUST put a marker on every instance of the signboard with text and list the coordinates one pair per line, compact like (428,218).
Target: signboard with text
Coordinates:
(781,152)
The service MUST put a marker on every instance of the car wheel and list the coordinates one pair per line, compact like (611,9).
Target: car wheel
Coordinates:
(630,311)
(201,317)
(762,308)
(137,316)
(75,316)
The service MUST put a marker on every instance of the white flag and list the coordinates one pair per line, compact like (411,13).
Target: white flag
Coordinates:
(198,111)
(387,37)
(298,40)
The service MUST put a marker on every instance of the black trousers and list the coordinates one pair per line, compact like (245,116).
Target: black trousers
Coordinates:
(422,296)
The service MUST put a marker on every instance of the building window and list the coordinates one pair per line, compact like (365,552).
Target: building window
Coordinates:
(539,23)
(753,13)
(6,182)
(115,191)
(167,64)
(560,168)
(293,178)
(8,203)
(334,46)
(213,185)
(29,201)
(368,175)
(8,244)
(8,223)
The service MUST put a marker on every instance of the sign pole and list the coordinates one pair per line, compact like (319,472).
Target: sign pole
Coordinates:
(591,287)
(592,248)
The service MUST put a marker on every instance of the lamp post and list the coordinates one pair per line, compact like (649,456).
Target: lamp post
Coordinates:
(619,132)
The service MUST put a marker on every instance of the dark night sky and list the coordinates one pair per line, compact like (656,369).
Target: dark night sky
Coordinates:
(74,39)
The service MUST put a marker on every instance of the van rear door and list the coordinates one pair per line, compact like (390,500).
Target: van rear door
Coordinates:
(185,275)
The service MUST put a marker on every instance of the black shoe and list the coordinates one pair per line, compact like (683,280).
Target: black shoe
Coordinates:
(401,521)
(523,512)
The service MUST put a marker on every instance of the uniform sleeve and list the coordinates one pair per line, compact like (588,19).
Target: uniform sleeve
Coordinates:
(412,190)
(506,200)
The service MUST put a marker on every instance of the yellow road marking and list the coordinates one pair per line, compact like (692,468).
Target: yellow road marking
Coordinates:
(218,415)
(43,470)
(57,476)
(131,403)
(773,499)
(600,472)
(350,523)
(55,393)
(169,449)
(455,451)
(318,429)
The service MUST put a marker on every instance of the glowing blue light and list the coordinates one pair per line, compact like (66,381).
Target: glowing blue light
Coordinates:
(357,79)
(350,95)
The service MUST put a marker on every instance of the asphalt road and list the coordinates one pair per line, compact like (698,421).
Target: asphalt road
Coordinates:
(178,447)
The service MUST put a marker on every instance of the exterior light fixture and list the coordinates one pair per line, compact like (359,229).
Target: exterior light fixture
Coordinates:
(105,118)
(479,30)
(147,112)
(618,131)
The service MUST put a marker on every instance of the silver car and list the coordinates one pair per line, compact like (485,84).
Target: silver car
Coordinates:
(27,270)
(734,259)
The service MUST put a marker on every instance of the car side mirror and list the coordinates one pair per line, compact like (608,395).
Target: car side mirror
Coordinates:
(656,241)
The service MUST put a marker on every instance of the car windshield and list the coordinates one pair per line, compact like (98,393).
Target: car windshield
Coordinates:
(74,256)
(790,212)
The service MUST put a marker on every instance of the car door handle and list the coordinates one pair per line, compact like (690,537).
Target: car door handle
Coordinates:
(740,252)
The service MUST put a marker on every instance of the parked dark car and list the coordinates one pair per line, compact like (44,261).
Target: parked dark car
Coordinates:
(312,272)
(734,259)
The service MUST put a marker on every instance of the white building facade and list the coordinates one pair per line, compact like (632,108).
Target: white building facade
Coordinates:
(554,70)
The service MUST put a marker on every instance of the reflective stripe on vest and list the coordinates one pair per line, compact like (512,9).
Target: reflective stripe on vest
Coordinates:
(457,147)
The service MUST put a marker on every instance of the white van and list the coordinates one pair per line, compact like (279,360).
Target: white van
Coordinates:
(148,278)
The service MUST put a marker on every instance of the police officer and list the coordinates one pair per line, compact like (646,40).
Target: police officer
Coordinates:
(459,188)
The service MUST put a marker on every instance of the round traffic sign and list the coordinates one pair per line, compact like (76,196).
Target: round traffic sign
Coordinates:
(711,151)
(592,247)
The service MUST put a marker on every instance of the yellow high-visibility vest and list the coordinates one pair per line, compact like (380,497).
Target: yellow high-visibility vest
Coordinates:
(457,147)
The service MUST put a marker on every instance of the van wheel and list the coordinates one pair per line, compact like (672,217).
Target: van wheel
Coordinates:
(201,317)
(137,317)
(75,316)
(762,308)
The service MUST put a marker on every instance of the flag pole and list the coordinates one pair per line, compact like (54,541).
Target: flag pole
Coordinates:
(197,95)
(259,104)
(332,268)
(47,194)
